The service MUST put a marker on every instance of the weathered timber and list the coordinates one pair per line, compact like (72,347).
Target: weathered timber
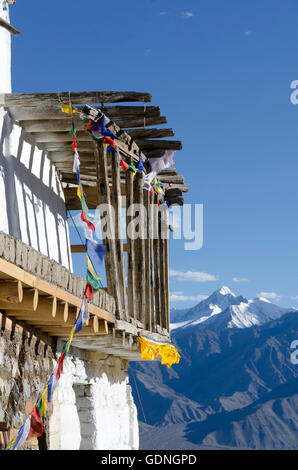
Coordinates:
(108,232)
(178,179)
(148,263)
(83,97)
(130,245)
(9,27)
(51,112)
(29,301)
(159,144)
(60,136)
(139,122)
(11,291)
(139,250)
(63,125)
(157,261)
(78,248)
(117,204)
(144,133)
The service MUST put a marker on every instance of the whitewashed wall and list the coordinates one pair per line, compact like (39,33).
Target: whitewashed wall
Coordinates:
(93,406)
(32,203)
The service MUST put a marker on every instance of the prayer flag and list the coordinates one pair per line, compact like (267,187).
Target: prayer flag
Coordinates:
(85,219)
(95,251)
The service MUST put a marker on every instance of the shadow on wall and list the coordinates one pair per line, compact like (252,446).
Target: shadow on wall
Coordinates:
(34,202)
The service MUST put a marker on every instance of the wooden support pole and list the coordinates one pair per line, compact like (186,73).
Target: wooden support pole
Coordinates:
(167,284)
(157,261)
(130,246)
(110,257)
(139,251)
(148,263)
(117,204)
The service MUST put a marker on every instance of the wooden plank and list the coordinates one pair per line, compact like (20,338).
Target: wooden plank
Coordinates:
(157,261)
(78,97)
(53,113)
(159,144)
(139,253)
(60,136)
(63,125)
(4,426)
(117,204)
(130,246)
(144,133)
(110,257)
(29,301)
(78,248)
(30,280)
(148,263)
(9,27)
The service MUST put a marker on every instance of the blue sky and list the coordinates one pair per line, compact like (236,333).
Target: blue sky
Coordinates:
(221,73)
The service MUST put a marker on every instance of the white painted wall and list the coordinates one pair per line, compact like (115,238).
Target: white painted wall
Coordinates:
(32,203)
(93,406)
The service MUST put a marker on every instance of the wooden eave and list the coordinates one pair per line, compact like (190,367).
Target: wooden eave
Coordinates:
(40,116)
(40,305)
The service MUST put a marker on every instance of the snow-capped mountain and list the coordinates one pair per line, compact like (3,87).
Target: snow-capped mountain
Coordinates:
(223,309)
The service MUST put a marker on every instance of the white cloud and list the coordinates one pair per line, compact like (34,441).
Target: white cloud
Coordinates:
(240,279)
(147,52)
(180,297)
(270,295)
(193,276)
(248,33)
(163,13)
(187,14)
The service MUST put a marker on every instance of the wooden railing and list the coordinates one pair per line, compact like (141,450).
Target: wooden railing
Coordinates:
(138,281)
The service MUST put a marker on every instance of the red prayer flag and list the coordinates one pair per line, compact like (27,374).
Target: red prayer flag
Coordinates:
(60,365)
(124,165)
(109,140)
(89,125)
(89,292)
(36,424)
(84,219)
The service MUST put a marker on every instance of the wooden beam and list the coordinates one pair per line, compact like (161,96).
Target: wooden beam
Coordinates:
(9,27)
(157,261)
(110,257)
(29,301)
(54,113)
(78,248)
(11,291)
(117,204)
(159,144)
(46,288)
(78,97)
(4,426)
(130,246)
(144,133)
(139,252)
(63,125)
(61,136)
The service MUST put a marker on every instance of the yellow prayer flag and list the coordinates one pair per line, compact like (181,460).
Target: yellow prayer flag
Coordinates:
(90,267)
(68,109)
(80,191)
(44,405)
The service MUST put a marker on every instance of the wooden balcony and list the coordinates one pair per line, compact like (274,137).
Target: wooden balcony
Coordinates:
(137,270)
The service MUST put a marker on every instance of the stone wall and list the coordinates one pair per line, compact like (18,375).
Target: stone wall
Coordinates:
(92,407)
(26,363)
